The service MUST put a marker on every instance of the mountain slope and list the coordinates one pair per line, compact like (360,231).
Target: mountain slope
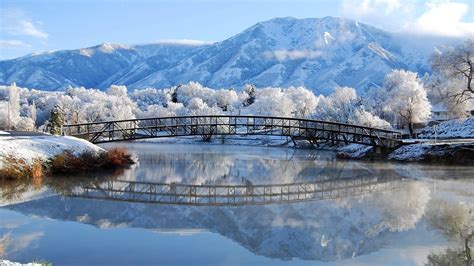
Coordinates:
(317,53)
(88,67)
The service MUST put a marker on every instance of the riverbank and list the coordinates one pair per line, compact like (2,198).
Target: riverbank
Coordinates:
(450,153)
(34,156)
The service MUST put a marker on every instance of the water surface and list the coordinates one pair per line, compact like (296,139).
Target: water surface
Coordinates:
(371,213)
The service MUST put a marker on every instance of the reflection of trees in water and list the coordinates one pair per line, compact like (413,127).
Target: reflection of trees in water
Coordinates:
(18,189)
(196,167)
(324,230)
(456,221)
(5,241)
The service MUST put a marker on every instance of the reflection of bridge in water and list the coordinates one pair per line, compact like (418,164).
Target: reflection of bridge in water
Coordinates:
(207,126)
(234,195)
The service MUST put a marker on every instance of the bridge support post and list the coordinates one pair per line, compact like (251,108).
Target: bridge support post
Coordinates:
(381,150)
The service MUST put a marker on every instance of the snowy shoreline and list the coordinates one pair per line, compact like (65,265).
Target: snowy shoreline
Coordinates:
(42,148)
(450,153)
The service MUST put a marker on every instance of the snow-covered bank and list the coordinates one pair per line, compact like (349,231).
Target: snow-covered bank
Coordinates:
(456,128)
(457,153)
(33,156)
(12,263)
(42,148)
(354,151)
(430,152)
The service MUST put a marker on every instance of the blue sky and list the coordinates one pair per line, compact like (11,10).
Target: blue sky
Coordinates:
(28,26)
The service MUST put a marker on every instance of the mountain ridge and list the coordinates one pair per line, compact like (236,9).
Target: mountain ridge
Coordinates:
(319,53)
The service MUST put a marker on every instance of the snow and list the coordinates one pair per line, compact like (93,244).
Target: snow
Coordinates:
(4,133)
(414,152)
(355,150)
(280,52)
(421,151)
(42,148)
(328,37)
(11,263)
(456,128)
(375,47)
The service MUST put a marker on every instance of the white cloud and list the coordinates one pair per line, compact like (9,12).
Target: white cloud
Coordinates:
(445,19)
(12,44)
(16,23)
(282,55)
(437,17)
(184,42)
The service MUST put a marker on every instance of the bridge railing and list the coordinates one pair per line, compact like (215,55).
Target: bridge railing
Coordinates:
(227,125)
(235,195)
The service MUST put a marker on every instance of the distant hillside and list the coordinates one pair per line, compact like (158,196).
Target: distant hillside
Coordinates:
(317,53)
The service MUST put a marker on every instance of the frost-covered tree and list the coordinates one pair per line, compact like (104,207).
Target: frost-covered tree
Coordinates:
(196,106)
(457,63)
(441,90)
(304,101)
(227,100)
(4,115)
(407,102)
(365,118)
(194,90)
(151,96)
(455,220)
(339,106)
(25,124)
(375,100)
(272,102)
(33,112)
(13,105)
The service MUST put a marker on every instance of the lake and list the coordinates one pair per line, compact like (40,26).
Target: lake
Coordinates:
(239,205)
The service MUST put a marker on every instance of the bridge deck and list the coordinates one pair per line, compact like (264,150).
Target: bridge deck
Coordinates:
(212,125)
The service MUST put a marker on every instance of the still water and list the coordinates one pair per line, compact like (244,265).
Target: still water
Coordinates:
(242,206)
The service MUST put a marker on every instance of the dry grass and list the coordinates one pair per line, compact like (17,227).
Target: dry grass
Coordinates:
(117,157)
(67,162)
(17,168)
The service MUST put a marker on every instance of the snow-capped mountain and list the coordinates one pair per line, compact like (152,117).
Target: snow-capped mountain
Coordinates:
(317,53)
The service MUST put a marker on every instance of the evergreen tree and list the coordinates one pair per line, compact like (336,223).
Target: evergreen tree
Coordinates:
(56,120)
(250,90)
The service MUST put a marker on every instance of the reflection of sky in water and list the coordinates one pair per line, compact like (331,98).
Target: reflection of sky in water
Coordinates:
(393,225)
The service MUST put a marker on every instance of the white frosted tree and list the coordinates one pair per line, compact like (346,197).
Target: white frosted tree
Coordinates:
(13,105)
(407,102)
(272,102)
(304,101)
(457,63)
(339,106)
(33,112)
(116,90)
(4,115)
(226,99)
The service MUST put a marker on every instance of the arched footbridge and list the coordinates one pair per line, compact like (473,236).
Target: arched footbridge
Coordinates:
(235,195)
(206,126)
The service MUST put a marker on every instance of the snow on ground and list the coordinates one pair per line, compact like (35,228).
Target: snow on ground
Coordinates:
(412,152)
(456,128)
(31,148)
(4,133)
(421,151)
(11,263)
(355,150)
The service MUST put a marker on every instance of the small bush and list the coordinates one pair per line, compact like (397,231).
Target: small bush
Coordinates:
(67,162)
(17,169)
(117,157)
